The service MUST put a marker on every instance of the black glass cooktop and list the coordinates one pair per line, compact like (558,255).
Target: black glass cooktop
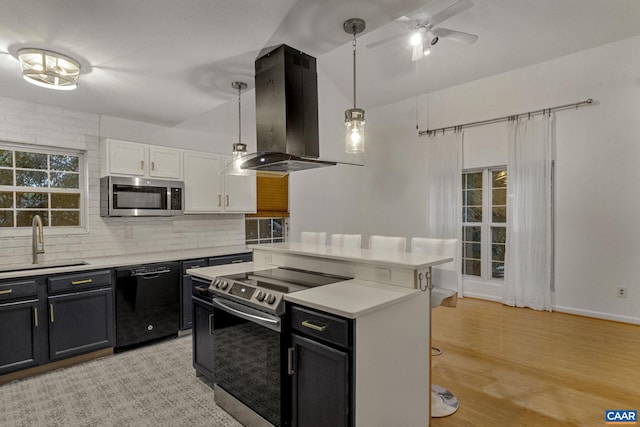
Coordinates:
(286,280)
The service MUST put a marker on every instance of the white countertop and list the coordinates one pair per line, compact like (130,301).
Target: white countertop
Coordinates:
(352,298)
(366,256)
(121,261)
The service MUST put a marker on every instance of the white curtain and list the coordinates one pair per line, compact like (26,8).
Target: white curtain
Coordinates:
(528,258)
(444,190)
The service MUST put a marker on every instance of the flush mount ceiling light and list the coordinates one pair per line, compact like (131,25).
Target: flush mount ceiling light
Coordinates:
(239,149)
(49,69)
(354,117)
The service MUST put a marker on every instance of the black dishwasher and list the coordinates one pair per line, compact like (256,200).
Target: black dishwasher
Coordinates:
(147,303)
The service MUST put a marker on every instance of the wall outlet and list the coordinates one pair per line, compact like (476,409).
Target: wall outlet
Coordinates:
(621,292)
(383,274)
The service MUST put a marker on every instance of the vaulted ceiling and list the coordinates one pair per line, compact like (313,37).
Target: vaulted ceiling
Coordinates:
(166,62)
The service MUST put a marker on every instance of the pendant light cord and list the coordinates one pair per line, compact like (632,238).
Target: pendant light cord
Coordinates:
(354,67)
(239,115)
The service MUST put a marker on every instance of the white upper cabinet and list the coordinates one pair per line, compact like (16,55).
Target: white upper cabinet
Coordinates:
(133,159)
(202,183)
(208,188)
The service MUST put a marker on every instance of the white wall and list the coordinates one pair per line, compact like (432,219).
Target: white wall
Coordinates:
(596,170)
(27,123)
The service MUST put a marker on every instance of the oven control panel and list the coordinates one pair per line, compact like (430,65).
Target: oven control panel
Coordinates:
(251,295)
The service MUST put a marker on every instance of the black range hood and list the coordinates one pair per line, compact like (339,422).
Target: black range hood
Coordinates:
(286,87)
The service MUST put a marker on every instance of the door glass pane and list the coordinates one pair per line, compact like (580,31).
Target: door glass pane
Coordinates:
(471,267)
(497,270)
(472,234)
(472,180)
(31,179)
(497,252)
(499,179)
(499,234)
(472,214)
(499,214)
(499,196)
(472,250)
(31,160)
(473,197)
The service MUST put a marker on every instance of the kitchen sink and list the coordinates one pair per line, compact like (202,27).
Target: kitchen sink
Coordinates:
(41,266)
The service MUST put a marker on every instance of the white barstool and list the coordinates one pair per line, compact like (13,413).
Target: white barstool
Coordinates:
(444,279)
(387,243)
(314,237)
(346,240)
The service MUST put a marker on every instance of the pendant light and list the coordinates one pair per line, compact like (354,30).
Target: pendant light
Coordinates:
(239,149)
(354,117)
(49,69)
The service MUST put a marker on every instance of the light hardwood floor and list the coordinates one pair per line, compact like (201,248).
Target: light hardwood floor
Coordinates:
(519,367)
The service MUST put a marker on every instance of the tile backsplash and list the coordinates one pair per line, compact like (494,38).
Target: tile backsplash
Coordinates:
(24,122)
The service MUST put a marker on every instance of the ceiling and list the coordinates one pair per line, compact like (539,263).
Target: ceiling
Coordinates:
(167,62)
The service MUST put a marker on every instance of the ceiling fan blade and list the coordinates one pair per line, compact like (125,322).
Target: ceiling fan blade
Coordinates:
(385,40)
(417,53)
(454,35)
(454,9)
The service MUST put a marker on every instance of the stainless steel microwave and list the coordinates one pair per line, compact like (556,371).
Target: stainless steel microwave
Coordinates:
(124,196)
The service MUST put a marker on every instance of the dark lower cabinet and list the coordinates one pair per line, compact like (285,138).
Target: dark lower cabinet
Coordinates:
(80,322)
(320,384)
(203,338)
(321,371)
(186,283)
(20,329)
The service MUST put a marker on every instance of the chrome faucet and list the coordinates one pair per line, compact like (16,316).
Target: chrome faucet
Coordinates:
(36,228)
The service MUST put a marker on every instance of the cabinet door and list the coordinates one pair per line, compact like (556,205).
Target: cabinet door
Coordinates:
(165,163)
(186,290)
(203,183)
(126,158)
(20,327)
(80,322)
(203,338)
(240,193)
(320,385)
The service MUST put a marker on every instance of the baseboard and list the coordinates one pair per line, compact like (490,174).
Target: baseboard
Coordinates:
(64,363)
(598,315)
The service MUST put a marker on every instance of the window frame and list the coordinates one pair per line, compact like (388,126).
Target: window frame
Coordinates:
(486,225)
(83,190)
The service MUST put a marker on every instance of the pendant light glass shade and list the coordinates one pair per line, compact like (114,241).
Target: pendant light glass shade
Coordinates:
(354,135)
(354,117)
(49,69)
(239,149)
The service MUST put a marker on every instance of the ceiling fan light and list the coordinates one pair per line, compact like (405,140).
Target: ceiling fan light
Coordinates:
(49,69)
(416,39)
(427,51)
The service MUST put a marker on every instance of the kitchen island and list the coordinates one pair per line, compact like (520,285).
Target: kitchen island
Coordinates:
(385,311)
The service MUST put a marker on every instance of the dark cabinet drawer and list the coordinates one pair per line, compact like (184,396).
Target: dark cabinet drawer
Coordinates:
(17,289)
(326,327)
(83,280)
(230,259)
(193,263)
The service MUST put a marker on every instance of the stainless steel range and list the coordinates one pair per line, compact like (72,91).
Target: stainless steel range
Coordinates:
(249,349)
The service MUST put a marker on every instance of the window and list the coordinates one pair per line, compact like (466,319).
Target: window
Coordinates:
(484,222)
(270,223)
(40,182)
(266,230)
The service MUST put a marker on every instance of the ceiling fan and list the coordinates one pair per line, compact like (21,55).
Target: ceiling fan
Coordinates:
(423,30)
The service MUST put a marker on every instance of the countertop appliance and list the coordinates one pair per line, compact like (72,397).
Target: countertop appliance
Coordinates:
(249,349)
(147,303)
(131,196)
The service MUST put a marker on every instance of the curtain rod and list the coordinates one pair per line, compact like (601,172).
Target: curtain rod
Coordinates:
(430,132)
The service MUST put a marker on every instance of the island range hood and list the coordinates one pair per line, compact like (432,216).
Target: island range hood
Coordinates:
(286,87)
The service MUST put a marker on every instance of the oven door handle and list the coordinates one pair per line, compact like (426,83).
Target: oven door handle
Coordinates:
(247,314)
